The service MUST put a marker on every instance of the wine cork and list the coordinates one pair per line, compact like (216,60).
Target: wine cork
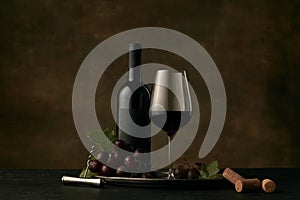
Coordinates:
(247,185)
(268,185)
(231,175)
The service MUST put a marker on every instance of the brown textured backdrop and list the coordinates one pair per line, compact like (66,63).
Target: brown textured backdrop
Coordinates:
(255,45)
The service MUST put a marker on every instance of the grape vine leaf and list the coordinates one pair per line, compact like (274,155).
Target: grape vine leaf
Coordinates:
(89,173)
(102,142)
(209,171)
(111,135)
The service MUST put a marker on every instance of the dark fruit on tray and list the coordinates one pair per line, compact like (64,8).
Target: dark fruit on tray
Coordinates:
(180,172)
(121,172)
(121,144)
(135,162)
(118,159)
(102,157)
(138,154)
(139,150)
(188,171)
(106,171)
(95,166)
(117,155)
(192,173)
(129,148)
(198,165)
(130,162)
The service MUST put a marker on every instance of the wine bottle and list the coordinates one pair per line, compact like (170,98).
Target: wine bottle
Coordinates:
(134,98)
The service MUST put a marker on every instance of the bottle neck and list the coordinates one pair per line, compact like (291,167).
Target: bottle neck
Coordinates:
(134,74)
(134,65)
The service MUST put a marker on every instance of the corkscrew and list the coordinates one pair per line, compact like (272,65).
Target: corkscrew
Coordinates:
(99,182)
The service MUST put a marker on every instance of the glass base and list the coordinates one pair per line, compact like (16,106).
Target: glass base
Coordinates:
(171,174)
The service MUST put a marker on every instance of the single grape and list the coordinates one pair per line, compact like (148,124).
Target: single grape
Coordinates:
(106,171)
(139,154)
(198,165)
(129,148)
(102,157)
(180,172)
(139,150)
(130,162)
(118,156)
(120,143)
(196,169)
(114,162)
(121,172)
(95,166)
(192,173)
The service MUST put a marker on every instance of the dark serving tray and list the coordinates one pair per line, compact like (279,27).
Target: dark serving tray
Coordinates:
(216,183)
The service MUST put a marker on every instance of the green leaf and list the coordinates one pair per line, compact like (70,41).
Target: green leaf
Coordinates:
(89,174)
(209,171)
(111,135)
(203,174)
(102,142)
(212,168)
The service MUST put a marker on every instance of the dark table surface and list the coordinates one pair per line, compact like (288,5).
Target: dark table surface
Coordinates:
(46,184)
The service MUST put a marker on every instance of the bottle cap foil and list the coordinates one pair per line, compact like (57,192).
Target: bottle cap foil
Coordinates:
(134,46)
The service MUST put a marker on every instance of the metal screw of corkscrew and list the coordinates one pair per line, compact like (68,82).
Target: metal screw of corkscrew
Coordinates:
(88,161)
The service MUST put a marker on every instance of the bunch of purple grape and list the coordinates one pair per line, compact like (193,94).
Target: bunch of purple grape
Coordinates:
(137,162)
(188,172)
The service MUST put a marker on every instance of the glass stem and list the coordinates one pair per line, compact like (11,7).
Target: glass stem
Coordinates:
(170,173)
(169,151)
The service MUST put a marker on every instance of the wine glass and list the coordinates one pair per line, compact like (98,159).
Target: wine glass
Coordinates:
(171,106)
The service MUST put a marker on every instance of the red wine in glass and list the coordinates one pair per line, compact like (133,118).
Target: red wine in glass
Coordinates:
(171,121)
